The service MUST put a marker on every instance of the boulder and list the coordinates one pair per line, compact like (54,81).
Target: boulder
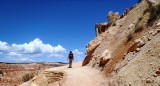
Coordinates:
(138,44)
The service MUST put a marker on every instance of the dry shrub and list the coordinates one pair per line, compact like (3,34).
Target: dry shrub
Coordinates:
(138,28)
(154,13)
(129,37)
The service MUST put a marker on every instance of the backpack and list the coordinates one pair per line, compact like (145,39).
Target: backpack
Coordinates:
(71,56)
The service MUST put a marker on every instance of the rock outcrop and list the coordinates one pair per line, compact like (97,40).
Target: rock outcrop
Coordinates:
(116,35)
(111,17)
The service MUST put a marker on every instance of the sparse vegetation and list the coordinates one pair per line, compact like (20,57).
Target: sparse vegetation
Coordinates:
(129,37)
(154,13)
(114,24)
(145,11)
(140,18)
(138,27)
(27,77)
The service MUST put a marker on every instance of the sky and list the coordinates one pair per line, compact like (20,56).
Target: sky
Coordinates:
(46,30)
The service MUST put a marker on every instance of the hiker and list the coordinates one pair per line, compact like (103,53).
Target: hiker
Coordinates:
(70,58)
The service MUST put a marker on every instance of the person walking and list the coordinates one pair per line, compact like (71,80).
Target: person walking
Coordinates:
(70,58)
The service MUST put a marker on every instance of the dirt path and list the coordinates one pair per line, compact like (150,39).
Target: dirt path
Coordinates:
(80,76)
(64,76)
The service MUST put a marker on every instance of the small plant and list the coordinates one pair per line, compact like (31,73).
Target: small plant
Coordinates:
(139,28)
(154,12)
(145,11)
(114,24)
(140,18)
(129,37)
(27,77)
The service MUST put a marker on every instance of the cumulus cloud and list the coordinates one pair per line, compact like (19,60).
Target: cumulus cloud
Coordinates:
(3,46)
(78,55)
(33,49)
(77,52)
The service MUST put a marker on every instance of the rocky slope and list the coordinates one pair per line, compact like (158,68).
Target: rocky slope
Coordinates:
(125,52)
(127,48)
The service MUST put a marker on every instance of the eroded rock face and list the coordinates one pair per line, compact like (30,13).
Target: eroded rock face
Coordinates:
(111,17)
(133,62)
(100,28)
(86,60)
(12,74)
(112,38)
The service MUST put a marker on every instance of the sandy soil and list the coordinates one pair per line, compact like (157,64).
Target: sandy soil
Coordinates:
(75,76)
(80,76)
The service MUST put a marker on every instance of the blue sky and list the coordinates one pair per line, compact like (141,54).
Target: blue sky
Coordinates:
(46,30)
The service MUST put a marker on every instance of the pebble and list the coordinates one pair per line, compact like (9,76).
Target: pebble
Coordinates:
(151,63)
(138,49)
(158,72)
(154,75)
(148,81)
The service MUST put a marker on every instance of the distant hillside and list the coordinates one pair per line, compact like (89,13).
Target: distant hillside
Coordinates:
(11,74)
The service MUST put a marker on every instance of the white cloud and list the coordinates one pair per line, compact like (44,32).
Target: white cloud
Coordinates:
(3,46)
(77,52)
(33,49)
(78,55)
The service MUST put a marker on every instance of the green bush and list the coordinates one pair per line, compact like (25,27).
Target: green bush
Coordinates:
(27,77)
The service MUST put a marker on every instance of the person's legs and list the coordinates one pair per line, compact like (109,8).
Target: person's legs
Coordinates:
(70,63)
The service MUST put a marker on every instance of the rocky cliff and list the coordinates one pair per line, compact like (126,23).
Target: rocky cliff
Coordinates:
(127,47)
